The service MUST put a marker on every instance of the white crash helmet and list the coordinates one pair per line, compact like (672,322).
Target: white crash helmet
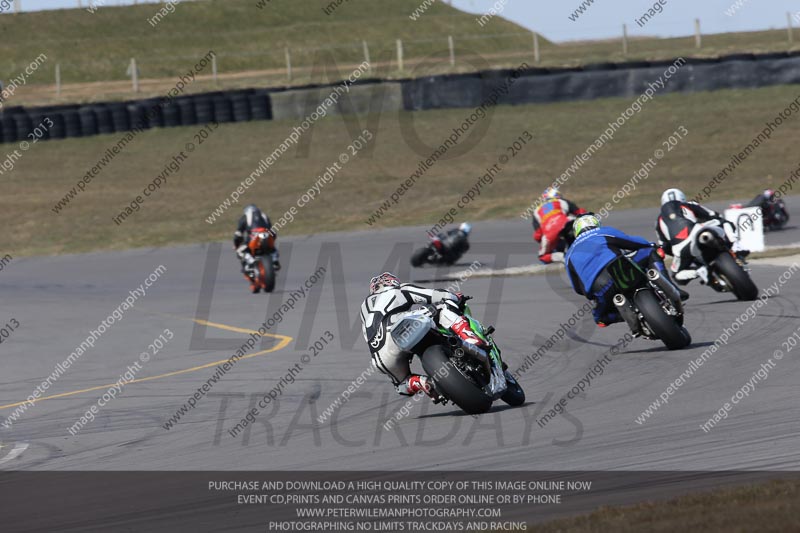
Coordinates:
(466,227)
(551,193)
(671,195)
(384,281)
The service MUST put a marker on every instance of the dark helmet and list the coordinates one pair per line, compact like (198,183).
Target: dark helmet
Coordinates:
(252,213)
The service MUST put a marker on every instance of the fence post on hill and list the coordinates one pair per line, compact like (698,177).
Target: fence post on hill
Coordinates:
(214,69)
(400,55)
(58,79)
(288,64)
(624,39)
(790,27)
(698,37)
(536,56)
(366,54)
(133,71)
(452,46)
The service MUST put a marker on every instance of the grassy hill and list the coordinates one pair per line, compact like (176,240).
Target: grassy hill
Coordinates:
(250,42)
(98,46)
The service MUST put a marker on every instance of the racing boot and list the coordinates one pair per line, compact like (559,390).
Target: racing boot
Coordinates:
(417,383)
(741,257)
(462,328)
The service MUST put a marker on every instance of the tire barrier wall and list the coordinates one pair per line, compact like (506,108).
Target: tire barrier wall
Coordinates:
(19,123)
(533,85)
(602,81)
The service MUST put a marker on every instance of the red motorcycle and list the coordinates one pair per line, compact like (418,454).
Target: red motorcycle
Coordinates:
(261,273)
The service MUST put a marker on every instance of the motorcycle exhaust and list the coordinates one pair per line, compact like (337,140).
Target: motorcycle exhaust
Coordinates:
(627,313)
(706,237)
(665,285)
(476,352)
(710,240)
(455,346)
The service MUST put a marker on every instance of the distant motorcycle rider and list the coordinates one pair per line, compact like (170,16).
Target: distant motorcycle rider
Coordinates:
(594,249)
(387,303)
(676,221)
(773,210)
(453,243)
(253,219)
(553,205)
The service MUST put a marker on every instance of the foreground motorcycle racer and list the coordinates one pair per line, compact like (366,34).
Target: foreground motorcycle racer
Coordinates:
(388,301)
(553,206)
(675,223)
(593,250)
(251,220)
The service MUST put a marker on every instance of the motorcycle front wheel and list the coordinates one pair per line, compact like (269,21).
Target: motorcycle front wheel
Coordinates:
(267,270)
(514,395)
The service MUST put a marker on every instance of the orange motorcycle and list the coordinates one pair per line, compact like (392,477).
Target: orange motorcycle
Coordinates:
(261,272)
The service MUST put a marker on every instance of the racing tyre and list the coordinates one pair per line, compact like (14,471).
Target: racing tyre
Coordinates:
(739,280)
(514,395)
(664,326)
(452,383)
(268,275)
(419,257)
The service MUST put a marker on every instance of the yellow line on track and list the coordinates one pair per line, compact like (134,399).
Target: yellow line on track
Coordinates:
(284,341)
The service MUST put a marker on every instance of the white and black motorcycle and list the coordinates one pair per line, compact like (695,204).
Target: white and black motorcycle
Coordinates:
(717,265)
(469,376)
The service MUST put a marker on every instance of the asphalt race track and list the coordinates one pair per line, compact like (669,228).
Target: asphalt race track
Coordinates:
(204,302)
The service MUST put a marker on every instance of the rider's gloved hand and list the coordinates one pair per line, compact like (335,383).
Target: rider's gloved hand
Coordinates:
(462,300)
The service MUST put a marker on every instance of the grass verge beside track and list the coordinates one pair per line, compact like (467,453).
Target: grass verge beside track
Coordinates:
(720,124)
(764,507)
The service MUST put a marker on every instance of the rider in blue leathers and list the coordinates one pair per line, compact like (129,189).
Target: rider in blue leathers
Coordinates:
(593,250)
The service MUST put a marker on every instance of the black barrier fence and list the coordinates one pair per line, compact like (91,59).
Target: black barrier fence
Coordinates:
(17,123)
(534,85)
(334,501)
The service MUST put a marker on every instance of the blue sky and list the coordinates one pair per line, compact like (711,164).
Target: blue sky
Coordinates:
(603,19)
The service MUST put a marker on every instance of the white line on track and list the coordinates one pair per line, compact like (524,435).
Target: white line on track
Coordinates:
(15,452)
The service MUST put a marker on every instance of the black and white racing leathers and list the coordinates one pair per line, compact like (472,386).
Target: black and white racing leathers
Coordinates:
(382,310)
(677,225)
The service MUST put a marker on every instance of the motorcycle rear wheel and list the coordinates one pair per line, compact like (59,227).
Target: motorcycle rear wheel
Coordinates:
(449,381)
(736,277)
(419,257)
(665,327)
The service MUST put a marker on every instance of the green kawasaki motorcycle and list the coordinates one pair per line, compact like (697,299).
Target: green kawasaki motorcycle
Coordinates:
(469,376)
